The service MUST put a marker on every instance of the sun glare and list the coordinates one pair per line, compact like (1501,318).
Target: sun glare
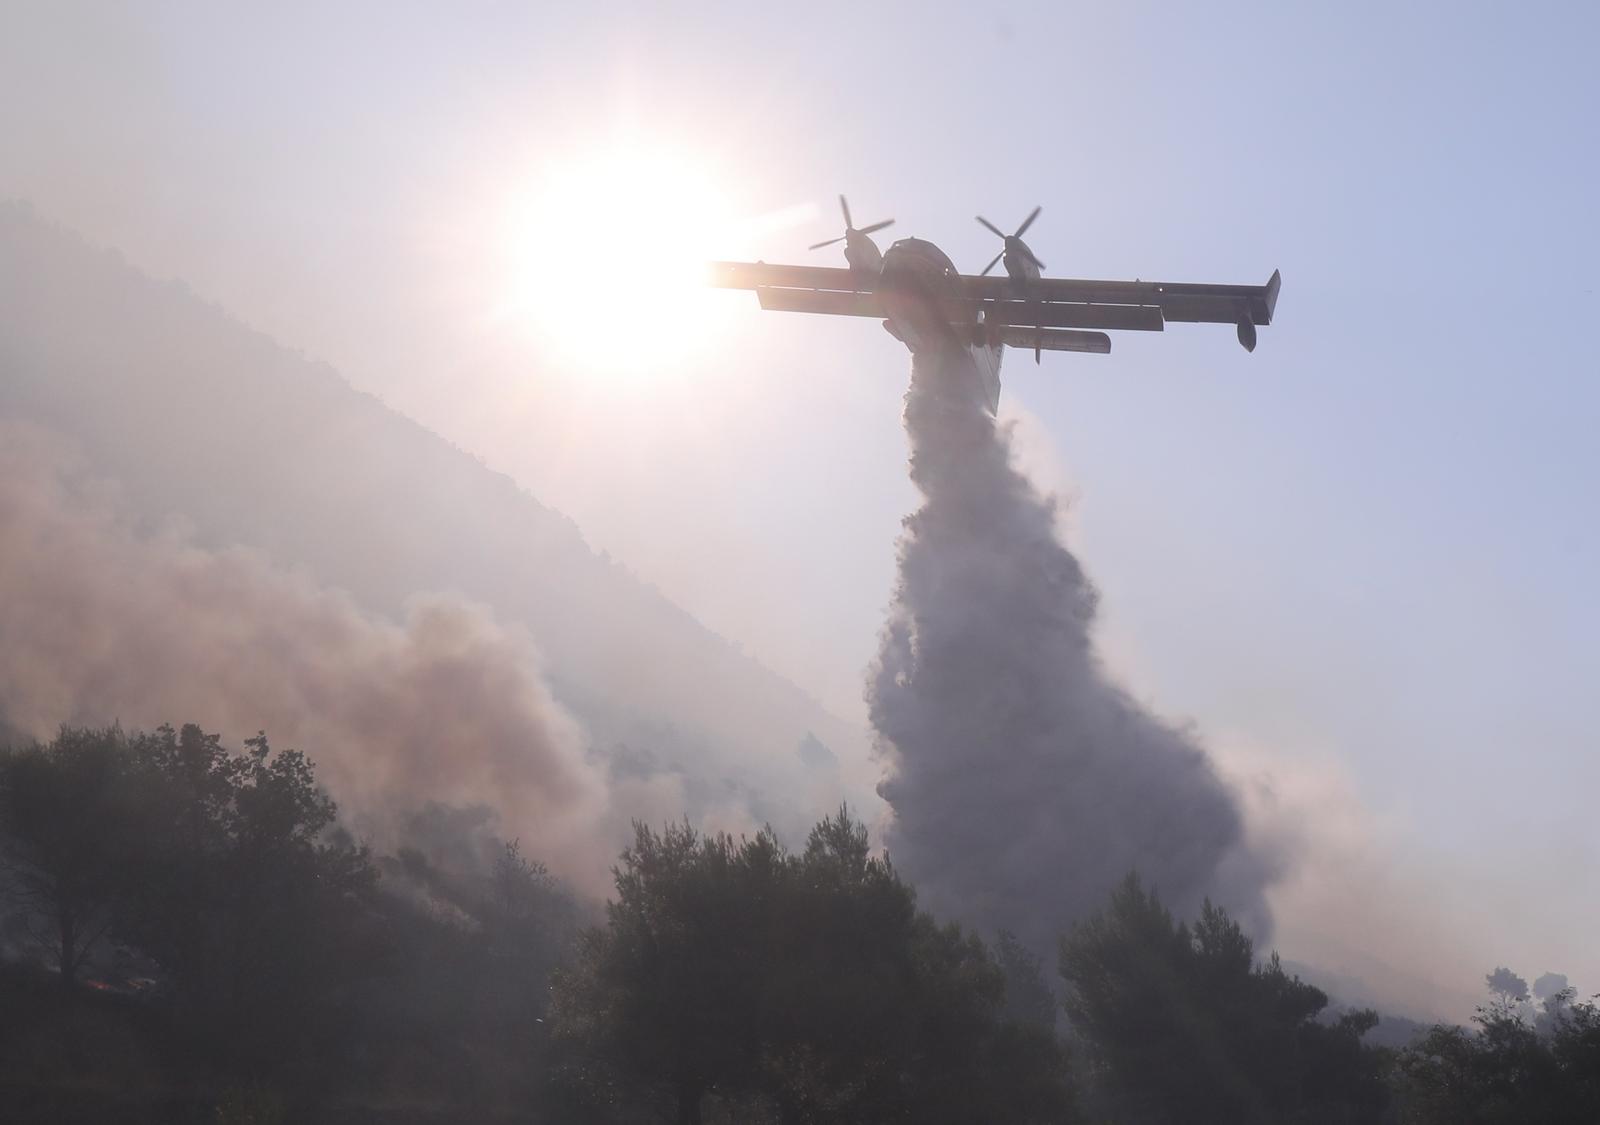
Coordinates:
(607,254)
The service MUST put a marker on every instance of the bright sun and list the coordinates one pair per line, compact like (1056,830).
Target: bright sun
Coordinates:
(607,254)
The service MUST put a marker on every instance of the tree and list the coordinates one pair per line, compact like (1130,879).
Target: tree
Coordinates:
(63,828)
(1507,986)
(528,920)
(473,931)
(1029,1000)
(804,987)
(877,1012)
(837,994)
(244,889)
(1508,1068)
(1181,1024)
(666,990)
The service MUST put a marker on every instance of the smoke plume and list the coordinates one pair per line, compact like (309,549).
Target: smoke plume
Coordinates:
(101,620)
(1024,784)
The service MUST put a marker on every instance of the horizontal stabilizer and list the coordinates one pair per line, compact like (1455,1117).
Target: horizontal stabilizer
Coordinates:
(1057,340)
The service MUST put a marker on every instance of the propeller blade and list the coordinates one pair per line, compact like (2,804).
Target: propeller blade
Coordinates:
(820,245)
(845,207)
(876,226)
(1028,222)
(1035,258)
(992,264)
(998,232)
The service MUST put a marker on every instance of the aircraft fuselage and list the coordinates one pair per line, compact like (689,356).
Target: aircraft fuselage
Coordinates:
(918,285)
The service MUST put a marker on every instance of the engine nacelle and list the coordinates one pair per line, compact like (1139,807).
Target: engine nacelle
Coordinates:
(1247,332)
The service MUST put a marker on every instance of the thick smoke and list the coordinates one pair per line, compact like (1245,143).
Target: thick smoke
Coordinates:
(1023,783)
(102,621)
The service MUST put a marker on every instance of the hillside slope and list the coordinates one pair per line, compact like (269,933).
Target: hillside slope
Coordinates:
(195,416)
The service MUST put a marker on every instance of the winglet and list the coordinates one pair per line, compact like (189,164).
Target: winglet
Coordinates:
(1271,296)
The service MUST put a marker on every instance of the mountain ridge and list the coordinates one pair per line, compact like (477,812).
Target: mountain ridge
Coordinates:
(199,416)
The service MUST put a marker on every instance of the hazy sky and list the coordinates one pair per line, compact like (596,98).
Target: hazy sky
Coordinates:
(1364,554)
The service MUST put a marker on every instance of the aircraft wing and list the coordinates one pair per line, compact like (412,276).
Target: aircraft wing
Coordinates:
(1157,301)
(840,292)
(760,275)
(1048,303)
(820,301)
(813,289)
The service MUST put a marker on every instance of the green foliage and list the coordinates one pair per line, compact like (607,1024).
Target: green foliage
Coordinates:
(1029,1000)
(240,889)
(1506,985)
(224,869)
(528,922)
(667,991)
(450,1009)
(64,820)
(732,970)
(1181,1025)
(1509,1069)
(732,980)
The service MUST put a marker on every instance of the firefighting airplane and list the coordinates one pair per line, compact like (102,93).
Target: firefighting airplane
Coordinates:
(931,307)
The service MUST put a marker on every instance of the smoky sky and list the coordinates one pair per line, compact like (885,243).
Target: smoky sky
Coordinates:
(1024,782)
(103,620)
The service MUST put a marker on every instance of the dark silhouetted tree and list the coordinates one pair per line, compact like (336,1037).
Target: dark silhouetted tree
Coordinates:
(1029,1000)
(875,1012)
(63,825)
(1508,986)
(666,991)
(1181,1024)
(1507,1069)
(808,985)
(246,891)
(529,921)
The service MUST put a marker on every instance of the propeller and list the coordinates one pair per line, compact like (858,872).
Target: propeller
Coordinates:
(849,228)
(1012,241)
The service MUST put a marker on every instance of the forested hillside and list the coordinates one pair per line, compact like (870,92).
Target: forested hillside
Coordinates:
(248,443)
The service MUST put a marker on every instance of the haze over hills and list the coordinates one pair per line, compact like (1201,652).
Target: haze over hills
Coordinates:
(249,444)
(444,627)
